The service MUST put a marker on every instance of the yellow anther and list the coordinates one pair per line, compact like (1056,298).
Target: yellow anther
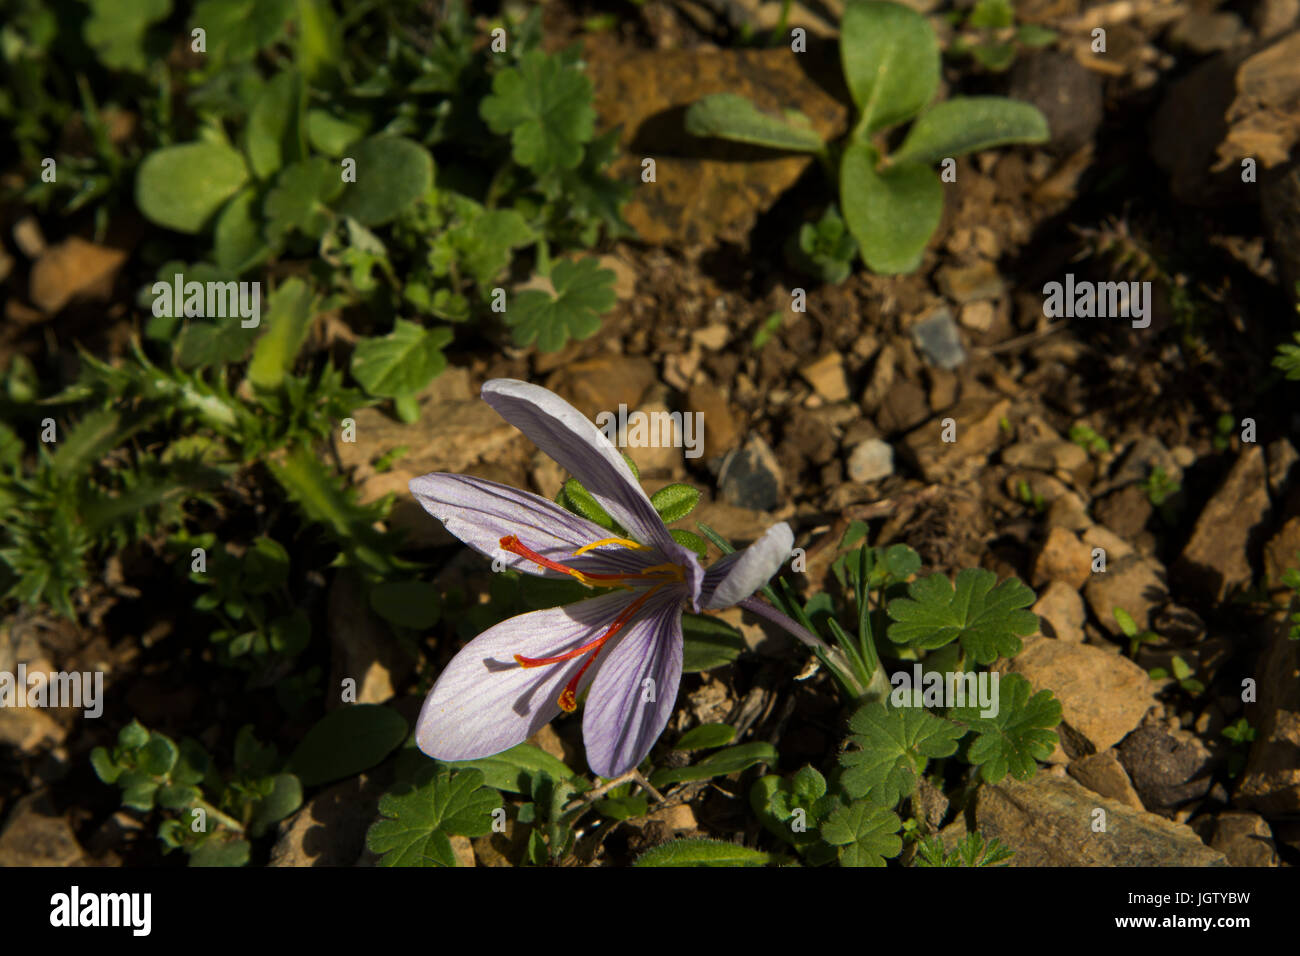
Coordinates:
(625,542)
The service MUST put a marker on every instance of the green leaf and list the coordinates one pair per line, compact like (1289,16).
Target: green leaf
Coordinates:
(237,29)
(115,30)
(730,760)
(133,736)
(415,604)
(237,243)
(890,60)
(545,106)
(392,173)
(708,643)
(675,501)
(573,497)
(1019,735)
(414,827)
(288,317)
(218,851)
(583,292)
(345,742)
(285,797)
(866,834)
(691,540)
(733,117)
(1125,621)
(484,246)
(158,756)
(893,748)
(94,436)
(401,363)
(967,124)
(511,770)
(274,131)
(332,135)
(300,199)
(986,618)
(893,213)
(702,853)
(182,187)
(706,736)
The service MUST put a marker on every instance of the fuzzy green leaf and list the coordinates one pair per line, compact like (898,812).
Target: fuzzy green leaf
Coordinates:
(893,747)
(733,117)
(987,618)
(730,760)
(967,124)
(890,60)
(392,173)
(414,827)
(584,291)
(891,213)
(675,501)
(702,853)
(1020,734)
(706,736)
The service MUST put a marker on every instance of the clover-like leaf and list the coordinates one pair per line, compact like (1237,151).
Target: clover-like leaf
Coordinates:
(545,106)
(583,292)
(415,827)
(893,747)
(866,834)
(1020,734)
(989,619)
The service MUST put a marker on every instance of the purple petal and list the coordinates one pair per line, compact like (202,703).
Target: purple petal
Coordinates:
(484,702)
(618,725)
(579,447)
(482,512)
(740,574)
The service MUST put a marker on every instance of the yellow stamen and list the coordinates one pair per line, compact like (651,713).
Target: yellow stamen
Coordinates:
(625,542)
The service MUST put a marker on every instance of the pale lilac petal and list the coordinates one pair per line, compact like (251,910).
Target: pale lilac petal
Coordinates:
(618,726)
(482,512)
(740,574)
(579,447)
(484,702)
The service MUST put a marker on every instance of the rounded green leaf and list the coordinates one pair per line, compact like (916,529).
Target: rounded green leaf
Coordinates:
(967,124)
(891,214)
(891,62)
(182,187)
(675,501)
(346,742)
(392,173)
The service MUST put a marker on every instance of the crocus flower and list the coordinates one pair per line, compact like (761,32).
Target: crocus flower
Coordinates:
(622,648)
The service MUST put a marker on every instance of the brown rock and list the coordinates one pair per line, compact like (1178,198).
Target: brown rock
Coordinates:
(1048,455)
(73,269)
(905,406)
(1216,558)
(1063,557)
(977,428)
(1271,781)
(971,283)
(1126,511)
(603,383)
(827,378)
(1282,552)
(1168,767)
(34,835)
(1103,773)
(1245,839)
(1264,119)
(721,431)
(704,189)
(1060,611)
(1052,821)
(1103,696)
(1133,583)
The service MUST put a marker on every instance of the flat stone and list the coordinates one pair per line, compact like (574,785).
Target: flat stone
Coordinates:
(1046,455)
(977,429)
(1102,773)
(1103,696)
(704,189)
(330,829)
(1282,552)
(871,461)
(721,428)
(34,836)
(73,269)
(1216,558)
(1132,583)
(1050,821)
(1245,839)
(1168,768)
(1271,780)
(1060,611)
(937,339)
(1063,557)
(751,477)
(827,378)
(970,283)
